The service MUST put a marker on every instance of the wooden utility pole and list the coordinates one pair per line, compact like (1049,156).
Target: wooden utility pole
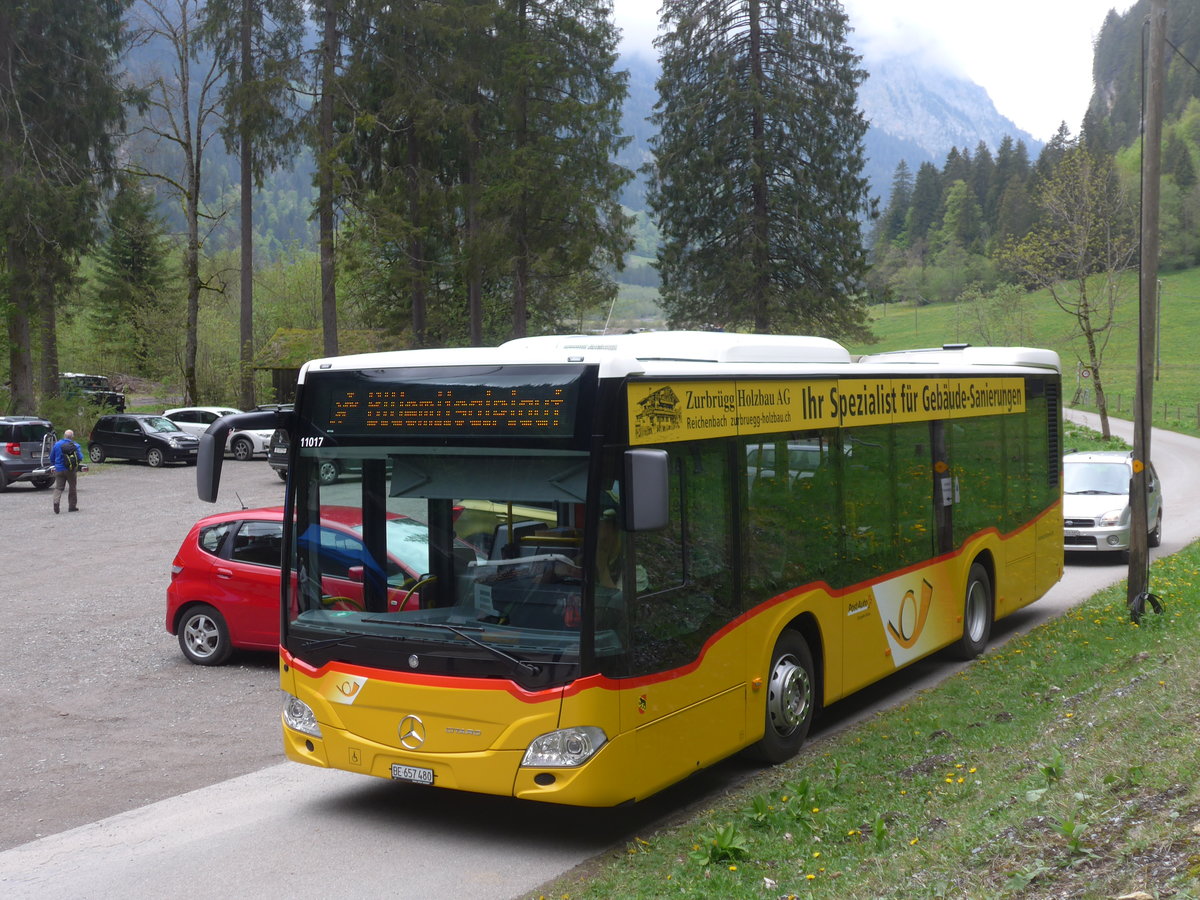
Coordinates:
(246,175)
(1152,113)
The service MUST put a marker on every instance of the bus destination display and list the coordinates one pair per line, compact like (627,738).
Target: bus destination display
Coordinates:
(460,409)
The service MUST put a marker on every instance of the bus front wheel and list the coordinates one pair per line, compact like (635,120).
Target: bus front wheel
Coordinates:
(791,699)
(977,614)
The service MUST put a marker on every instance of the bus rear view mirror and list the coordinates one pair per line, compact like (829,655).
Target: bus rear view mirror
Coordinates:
(646,490)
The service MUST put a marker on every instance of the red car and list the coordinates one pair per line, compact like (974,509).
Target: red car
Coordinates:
(224,590)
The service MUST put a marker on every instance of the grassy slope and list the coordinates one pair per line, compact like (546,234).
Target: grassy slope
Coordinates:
(1062,764)
(1178,387)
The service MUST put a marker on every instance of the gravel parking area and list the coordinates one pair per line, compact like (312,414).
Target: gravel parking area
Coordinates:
(101,712)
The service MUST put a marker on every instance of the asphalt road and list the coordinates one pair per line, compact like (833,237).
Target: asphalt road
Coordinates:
(127,771)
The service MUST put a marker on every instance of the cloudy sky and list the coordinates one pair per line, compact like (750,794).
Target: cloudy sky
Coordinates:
(1034,57)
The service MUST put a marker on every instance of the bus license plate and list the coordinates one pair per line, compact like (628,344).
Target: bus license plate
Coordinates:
(413,774)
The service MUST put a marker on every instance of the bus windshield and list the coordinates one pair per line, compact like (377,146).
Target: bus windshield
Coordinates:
(469,561)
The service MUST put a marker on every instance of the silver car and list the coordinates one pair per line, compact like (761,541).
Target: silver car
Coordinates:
(242,444)
(1096,512)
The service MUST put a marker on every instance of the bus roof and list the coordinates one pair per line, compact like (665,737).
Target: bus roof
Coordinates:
(681,353)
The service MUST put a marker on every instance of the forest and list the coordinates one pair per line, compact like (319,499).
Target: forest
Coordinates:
(454,166)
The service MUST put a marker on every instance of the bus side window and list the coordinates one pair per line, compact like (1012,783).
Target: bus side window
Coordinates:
(688,566)
(659,554)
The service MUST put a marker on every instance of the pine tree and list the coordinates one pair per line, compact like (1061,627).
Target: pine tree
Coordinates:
(1177,162)
(258,43)
(957,167)
(891,223)
(59,111)
(983,173)
(926,199)
(481,144)
(961,222)
(560,110)
(757,177)
(132,277)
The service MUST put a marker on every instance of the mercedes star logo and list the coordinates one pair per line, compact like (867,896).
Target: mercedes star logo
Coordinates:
(412,733)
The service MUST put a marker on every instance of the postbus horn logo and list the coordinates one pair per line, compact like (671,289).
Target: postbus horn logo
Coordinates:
(912,617)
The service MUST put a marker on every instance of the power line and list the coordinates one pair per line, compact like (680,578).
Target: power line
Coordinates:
(1179,53)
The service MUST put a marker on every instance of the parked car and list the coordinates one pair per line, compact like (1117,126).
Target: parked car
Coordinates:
(196,419)
(95,388)
(1096,511)
(803,459)
(156,439)
(25,443)
(224,590)
(329,471)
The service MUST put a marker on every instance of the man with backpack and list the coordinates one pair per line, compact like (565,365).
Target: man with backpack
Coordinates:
(67,458)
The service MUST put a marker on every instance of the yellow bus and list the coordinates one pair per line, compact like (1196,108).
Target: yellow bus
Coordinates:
(682,545)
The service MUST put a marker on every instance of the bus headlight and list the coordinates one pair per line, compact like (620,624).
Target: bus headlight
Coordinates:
(566,747)
(298,716)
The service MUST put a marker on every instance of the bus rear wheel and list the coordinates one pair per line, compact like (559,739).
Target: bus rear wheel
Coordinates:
(978,612)
(791,699)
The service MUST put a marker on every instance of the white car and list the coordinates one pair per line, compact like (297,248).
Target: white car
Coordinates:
(1096,512)
(242,444)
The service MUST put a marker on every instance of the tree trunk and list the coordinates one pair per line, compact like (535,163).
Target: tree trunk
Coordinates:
(520,312)
(416,247)
(191,274)
(474,265)
(20,367)
(1094,364)
(761,212)
(325,223)
(49,339)
(246,317)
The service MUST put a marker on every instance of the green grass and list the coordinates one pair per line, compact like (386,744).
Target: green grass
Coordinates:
(901,326)
(1176,391)
(1062,764)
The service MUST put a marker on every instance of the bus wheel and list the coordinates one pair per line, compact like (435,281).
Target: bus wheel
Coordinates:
(977,614)
(791,699)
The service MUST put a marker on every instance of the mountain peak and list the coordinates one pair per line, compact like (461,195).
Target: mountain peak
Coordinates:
(926,104)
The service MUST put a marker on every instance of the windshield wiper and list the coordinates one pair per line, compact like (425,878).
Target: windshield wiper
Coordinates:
(461,630)
(348,636)
(332,642)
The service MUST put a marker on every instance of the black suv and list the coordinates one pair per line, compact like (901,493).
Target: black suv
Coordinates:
(25,443)
(95,388)
(156,439)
